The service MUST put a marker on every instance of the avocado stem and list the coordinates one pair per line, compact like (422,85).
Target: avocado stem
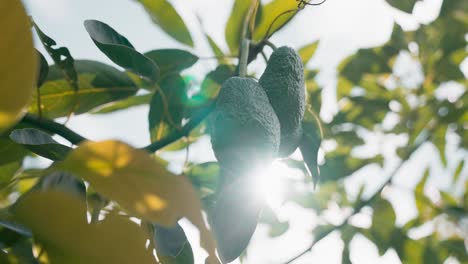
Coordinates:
(245,45)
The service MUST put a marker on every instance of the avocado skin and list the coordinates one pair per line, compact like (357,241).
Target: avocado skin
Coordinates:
(245,131)
(283,81)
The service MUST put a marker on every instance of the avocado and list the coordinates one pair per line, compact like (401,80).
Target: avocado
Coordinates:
(283,81)
(245,130)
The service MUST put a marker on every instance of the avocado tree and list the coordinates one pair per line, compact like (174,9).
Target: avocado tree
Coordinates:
(110,202)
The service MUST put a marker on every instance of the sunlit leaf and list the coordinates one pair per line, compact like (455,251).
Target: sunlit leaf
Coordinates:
(276,14)
(458,171)
(129,102)
(138,184)
(383,224)
(40,143)
(308,51)
(117,48)
(18,73)
(166,17)
(58,223)
(99,84)
(234,24)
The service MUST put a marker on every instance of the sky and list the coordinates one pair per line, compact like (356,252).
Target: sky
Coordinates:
(342,26)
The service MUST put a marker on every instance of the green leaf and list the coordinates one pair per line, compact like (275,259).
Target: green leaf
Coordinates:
(440,142)
(310,144)
(308,51)
(404,5)
(7,171)
(40,143)
(204,176)
(99,84)
(458,171)
(129,102)
(22,252)
(234,218)
(278,11)
(212,83)
(383,224)
(234,24)
(10,151)
(172,245)
(172,60)
(166,17)
(67,64)
(118,49)
(43,69)
(169,241)
(167,107)
(455,247)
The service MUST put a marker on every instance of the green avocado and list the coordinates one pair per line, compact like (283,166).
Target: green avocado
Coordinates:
(245,131)
(283,81)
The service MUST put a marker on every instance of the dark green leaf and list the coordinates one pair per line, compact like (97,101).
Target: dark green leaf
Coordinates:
(43,69)
(129,102)
(169,241)
(65,65)
(184,257)
(310,144)
(22,252)
(40,143)
(17,228)
(166,17)
(167,107)
(62,182)
(172,60)
(404,5)
(99,84)
(455,247)
(117,48)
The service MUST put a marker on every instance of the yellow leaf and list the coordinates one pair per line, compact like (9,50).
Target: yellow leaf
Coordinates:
(58,223)
(139,184)
(275,15)
(18,65)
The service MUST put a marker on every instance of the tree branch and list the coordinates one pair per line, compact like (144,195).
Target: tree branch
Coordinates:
(361,204)
(53,127)
(183,132)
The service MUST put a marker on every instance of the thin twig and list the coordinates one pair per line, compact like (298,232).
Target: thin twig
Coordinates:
(360,205)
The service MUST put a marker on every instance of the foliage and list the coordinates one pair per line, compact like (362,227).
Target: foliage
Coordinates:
(110,202)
